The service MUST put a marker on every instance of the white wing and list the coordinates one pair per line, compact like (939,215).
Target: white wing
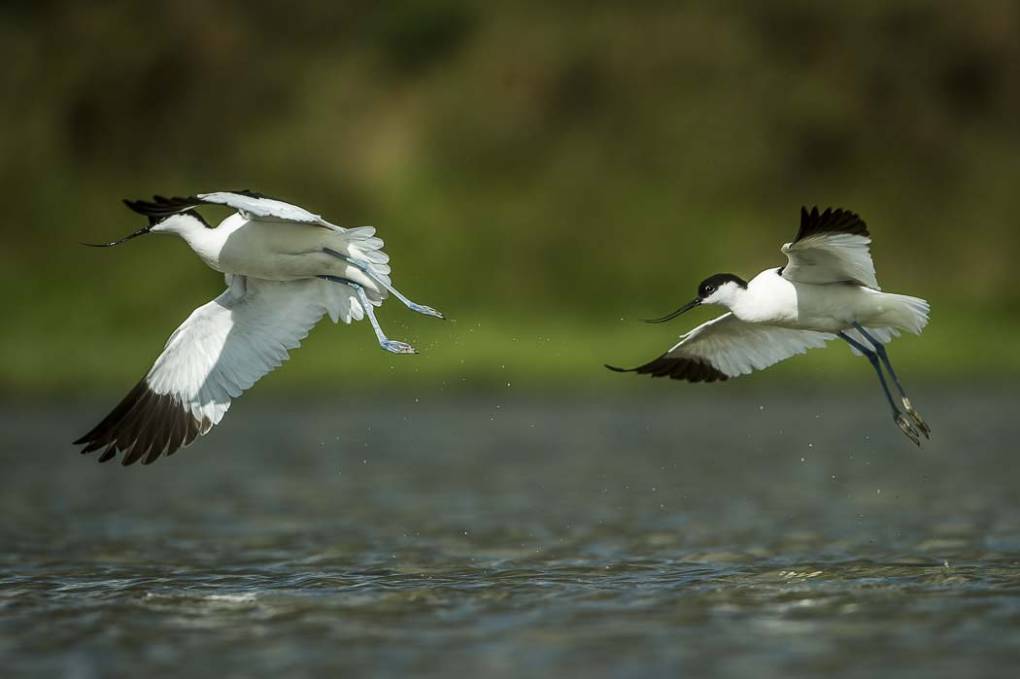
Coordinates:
(728,347)
(252,205)
(360,242)
(830,247)
(257,206)
(220,351)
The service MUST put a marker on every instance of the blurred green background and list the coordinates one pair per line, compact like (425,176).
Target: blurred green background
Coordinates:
(545,173)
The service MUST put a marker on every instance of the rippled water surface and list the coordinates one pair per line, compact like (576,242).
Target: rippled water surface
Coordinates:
(711,533)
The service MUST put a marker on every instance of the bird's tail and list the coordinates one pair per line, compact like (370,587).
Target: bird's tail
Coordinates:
(362,248)
(362,243)
(909,314)
(903,313)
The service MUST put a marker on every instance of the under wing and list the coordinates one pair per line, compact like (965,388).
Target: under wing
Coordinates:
(727,347)
(220,351)
(830,247)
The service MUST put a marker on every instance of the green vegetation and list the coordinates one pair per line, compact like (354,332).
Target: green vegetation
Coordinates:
(544,173)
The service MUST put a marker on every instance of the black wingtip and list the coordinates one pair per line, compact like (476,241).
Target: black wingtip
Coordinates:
(830,220)
(143,426)
(617,369)
(678,368)
(161,206)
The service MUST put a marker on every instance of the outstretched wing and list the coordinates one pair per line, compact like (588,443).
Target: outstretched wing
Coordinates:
(220,351)
(258,206)
(360,242)
(727,347)
(830,247)
(253,205)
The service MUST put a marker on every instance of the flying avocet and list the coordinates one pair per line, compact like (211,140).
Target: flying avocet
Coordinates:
(285,268)
(827,289)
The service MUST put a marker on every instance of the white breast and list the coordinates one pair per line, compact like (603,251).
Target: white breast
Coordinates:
(208,244)
(770,298)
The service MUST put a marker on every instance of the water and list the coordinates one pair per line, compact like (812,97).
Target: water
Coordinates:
(702,532)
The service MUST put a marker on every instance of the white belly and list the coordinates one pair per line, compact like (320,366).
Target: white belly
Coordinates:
(281,251)
(830,307)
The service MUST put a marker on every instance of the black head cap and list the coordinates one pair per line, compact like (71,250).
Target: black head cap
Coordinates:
(715,281)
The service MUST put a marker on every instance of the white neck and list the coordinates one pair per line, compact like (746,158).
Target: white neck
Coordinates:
(206,242)
(729,295)
(768,298)
(183,225)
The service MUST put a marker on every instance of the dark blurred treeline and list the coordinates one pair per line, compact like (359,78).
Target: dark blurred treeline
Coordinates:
(532,165)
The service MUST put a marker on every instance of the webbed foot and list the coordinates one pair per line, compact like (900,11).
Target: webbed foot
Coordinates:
(908,428)
(397,347)
(915,416)
(425,310)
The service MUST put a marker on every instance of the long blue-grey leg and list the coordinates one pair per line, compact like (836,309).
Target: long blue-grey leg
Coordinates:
(902,421)
(884,357)
(367,270)
(393,346)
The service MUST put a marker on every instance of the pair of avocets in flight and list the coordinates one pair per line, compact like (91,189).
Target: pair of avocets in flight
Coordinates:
(286,268)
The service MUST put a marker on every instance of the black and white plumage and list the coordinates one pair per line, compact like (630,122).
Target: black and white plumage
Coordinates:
(285,268)
(831,246)
(248,203)
(827,289)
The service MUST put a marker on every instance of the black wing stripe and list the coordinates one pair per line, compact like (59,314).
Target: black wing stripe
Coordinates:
(252,194)
(178,430)
(830,221)
(163,207)
(125,433)
(678,368)
(161,431)
(124,436)
(150,432)
(143,426)
(115,415)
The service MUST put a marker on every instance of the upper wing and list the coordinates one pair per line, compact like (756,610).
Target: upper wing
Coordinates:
(221,350)
(830,247)
(253,205)
(257,206)
(727,347)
